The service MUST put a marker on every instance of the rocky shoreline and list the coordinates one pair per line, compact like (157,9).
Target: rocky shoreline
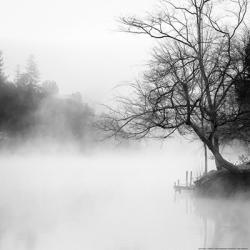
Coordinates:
(223,183)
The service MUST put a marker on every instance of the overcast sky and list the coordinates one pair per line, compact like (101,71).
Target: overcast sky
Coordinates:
(75,42)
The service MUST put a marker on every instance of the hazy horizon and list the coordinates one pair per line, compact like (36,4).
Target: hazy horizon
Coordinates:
(76,44)
(62,186)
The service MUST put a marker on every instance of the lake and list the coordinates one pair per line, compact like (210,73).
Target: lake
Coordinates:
(110,203)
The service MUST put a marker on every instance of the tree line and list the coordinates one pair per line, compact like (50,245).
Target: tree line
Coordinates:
(30,108)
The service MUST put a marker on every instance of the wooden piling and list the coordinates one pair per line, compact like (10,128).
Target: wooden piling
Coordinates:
(186,186)
(186,178)
(191,178)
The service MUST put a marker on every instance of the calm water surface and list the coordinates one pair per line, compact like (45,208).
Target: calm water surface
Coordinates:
(110,204)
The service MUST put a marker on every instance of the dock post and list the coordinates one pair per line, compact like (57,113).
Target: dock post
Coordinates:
(191,178)
(186,178)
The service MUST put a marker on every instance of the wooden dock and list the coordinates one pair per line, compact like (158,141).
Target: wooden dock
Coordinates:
(187,186)
(179,188)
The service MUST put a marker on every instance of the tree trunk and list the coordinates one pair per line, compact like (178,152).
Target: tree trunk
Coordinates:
(217,148)
(220,161)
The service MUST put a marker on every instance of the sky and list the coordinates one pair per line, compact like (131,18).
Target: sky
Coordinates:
(76,42)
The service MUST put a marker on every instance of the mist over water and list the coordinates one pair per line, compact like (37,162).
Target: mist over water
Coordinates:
(111,200)
(61,186)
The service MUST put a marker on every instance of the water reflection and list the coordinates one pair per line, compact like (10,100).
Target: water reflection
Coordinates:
(57,205)
(226,222)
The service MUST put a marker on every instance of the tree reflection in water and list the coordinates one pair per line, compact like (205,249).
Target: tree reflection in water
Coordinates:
(226,222)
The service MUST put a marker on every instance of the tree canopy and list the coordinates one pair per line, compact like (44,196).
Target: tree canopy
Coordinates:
(30,108)
(239,129)
(189,86)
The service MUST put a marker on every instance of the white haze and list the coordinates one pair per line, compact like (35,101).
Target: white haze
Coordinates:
(75,43)
(114,201)
(103,201)
(60,197)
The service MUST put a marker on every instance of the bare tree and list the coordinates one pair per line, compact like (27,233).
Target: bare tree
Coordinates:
(189,84)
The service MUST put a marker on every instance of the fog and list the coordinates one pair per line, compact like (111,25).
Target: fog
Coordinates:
(105,202)
(111,201)
(61,185)
(76,43)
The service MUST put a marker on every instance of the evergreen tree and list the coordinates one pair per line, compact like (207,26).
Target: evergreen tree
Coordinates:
(2,75)
(30,76)
(32,70)
(17,74)
(50,87)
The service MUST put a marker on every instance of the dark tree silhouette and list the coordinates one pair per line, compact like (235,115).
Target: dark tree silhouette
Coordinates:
(189,84)
(30,110)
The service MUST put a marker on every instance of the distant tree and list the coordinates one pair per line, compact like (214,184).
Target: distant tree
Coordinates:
(77,97)
(64,118)
(17,74)
(32,70)
(31,74)
(18,105)
(24,80)
(50,87)
(30,109)
(2,75)
(189,85)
